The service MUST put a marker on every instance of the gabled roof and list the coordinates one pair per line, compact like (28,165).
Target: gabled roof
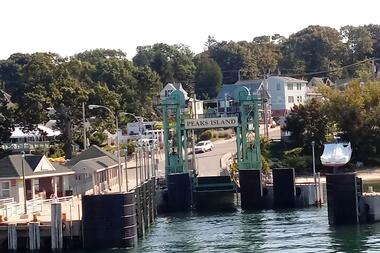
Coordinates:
(288,79)
(90,153)
(229,89)
(94,164)
(315,81)
(11,166)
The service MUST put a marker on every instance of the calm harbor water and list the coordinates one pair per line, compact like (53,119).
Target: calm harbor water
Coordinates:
(296,230)
(303,230)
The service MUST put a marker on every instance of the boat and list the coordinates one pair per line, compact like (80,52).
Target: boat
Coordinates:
(336,154)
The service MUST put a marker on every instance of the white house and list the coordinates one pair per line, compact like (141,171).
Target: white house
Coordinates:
(225,98)
(42,178)
(285,92)
(30,140)
(96,170)
(193,107)
(169,88)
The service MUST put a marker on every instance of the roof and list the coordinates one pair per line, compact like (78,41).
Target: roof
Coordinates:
(90,153)
(41,130)
(229,89)
(288,79)
(315,81)
(94,164)
(11,166)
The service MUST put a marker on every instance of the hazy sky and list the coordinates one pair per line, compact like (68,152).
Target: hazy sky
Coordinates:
(71,26)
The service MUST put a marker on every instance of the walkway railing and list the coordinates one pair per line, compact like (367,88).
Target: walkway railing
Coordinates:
(32,206)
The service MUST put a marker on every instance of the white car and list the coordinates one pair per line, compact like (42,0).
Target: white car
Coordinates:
(203,146)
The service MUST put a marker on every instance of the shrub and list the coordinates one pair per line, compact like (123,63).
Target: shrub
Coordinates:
(206,135)
(131,147)
(98,138)
(56,151)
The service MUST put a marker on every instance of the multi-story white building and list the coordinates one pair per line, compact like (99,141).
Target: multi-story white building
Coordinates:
(285,92)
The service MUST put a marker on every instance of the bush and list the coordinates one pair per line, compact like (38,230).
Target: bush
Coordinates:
(131,147)
(206,135)
(98,138)
(56,151)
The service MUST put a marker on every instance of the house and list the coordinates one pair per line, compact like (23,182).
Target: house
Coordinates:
(21,140)
(193,106)
(285,92)
(225,97)
(169,88)
(96,170)
(317,81)
(42,178)
(314,83)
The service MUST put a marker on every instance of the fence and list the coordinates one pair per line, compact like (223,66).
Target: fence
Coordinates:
(11,208)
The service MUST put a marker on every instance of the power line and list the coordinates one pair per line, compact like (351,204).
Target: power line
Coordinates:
(334,70)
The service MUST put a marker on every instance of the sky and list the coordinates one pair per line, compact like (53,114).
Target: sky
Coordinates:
(67,27)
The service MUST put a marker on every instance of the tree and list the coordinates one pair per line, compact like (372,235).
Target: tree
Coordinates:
(173,63)
(6,118)
(313,49)
(208,78)
(356,113)
(359,42)
(307,123)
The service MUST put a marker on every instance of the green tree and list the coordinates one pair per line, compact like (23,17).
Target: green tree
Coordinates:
(208,78)
(356,115)
(315,48)
(171,62)
(6,118)
(307,123)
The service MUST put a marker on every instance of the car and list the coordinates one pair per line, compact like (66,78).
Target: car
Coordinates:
(203,146)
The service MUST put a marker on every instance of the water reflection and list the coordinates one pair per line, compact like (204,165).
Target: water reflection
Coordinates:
(355,238)
(251,232)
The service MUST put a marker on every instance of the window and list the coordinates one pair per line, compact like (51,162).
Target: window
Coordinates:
(5,189)
(167,93)
(278,86)
(290,99)
(290,86)
(299,86)
(299,99)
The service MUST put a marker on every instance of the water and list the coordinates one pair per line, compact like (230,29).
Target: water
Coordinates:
(303,230)
(296,230)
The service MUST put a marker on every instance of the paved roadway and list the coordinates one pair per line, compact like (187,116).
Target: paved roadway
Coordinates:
(208,164)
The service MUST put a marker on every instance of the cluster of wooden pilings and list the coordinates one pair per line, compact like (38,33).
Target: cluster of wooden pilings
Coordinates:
(146,208)
(34,230)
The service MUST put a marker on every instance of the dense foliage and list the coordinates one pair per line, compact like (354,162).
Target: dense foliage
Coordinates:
(352,115)
(106,77)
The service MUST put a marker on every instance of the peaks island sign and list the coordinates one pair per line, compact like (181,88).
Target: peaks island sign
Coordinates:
(211,123)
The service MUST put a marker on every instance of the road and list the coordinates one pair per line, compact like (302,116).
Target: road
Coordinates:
(208,164)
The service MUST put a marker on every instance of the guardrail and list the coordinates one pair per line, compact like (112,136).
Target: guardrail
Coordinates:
(32,206)
(5,201)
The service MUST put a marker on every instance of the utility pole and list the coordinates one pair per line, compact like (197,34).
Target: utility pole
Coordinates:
(23,180)
(84,127)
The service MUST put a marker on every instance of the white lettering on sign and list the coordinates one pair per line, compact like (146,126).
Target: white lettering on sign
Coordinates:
(211,123)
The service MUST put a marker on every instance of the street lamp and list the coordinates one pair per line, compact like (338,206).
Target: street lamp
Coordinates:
(23,179)
(117,138)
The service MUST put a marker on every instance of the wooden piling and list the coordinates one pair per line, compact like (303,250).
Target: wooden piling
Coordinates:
(139,212)
(152,200)
(12,237)
(56,227)
(34,236)
(146,205)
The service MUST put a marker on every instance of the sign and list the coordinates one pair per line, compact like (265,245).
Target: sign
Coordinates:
(224,122)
